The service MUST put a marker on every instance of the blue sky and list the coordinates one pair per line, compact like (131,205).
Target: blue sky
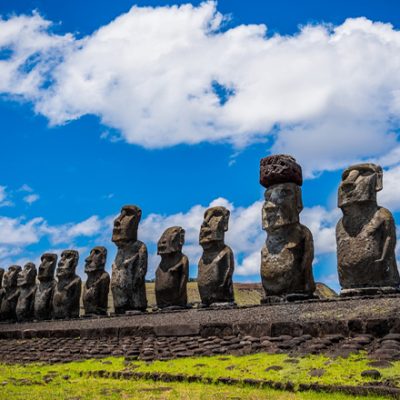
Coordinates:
(171,108)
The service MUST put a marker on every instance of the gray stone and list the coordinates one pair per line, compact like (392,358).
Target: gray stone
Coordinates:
(43,306)
(67,292)
(371,373)
(1,285)
(26,283)
(286,257)
(11,293)
(173,271)
(365,235)
(216,264)
(130,264)
(96,288)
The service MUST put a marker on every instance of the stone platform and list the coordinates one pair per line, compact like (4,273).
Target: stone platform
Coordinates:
(313,326)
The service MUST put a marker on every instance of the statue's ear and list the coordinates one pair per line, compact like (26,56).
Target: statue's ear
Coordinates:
(181,236)
(299,201)
(227,214)
(379,180)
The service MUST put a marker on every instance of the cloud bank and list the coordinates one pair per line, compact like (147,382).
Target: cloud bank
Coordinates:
(330,95)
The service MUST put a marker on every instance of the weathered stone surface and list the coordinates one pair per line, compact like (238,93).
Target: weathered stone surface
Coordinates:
(43,306)
(96,288)
(67,292)
(365,235)
(173,271)
(280,168)
(286,257)
(26,283)
(216,264)
(130,264)
(11,293)
(1,285)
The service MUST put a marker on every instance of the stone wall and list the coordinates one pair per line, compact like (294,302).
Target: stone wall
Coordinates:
(334,326)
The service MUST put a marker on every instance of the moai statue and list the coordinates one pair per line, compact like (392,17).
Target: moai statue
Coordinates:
(11,293)
(173,272)
(26,283)
(67,292)
(365,235)
(1,285)
(216,264)
(95,290)
(43,307)
(130,264)
(286,257)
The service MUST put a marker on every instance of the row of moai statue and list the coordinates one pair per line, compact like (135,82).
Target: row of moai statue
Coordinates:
(58,291)
(365,237)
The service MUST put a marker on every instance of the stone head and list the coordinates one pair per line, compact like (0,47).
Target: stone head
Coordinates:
(67,264)
(171,241)
(27,276)
(1,276)
(47,266)
(282,205)
(214,225)
(10,278)
(126,225)
(96,261)
(359,184)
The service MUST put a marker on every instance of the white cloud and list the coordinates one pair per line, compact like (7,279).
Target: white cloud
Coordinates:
(31,198)
(14,231)
(25,188)
(66,233)
(333,92)
(4,197)
(390,195)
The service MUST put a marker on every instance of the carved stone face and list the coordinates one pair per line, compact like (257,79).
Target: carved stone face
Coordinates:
(96,260)
(171,241)
(67,264)
(359,184)
(282,205)
(126,224)
(27,277)
(47,266)
(214,225)
(11,276)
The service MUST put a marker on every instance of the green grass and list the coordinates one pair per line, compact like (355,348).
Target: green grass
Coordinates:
(343,371)
(63,381)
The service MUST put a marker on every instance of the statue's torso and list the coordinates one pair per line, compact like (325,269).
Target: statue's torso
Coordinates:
(358,253)
(43,299)
(282,268)
(212,272)
(128,277)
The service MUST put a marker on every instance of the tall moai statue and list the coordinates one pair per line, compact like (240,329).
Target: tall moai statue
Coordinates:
(43,307)
(286,257)
(10,294)
(173,271)
(1,285)
(130,264)
(365,235)
(217,263)
(67,292)
(26,283)
(96,288)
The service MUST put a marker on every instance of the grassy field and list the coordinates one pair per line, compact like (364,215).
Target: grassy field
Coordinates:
(72,381)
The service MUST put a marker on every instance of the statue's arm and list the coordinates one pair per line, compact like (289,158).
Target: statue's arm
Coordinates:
(308,259)
(185,273)
(228,256)
(389,228)
(142,262)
